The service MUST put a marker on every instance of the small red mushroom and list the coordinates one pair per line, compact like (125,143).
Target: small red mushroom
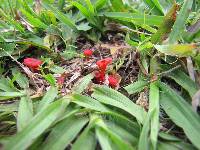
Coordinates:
(113,81)
(103,63)
(88,53)
(32,63)
(99,77)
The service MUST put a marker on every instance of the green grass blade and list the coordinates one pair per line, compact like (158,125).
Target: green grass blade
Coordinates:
(135,18)
(48,98)
(99,4)
(83,84)
(181,113)
(103,139)
(64,132)
(117,141)
(166,25)
(33,20)
(20,78)
(136,86)
(88,102)
(155,6)
(8,95)
(25,113)
(154,111)
(184,81)
(180,21)
(60,16)
(112,97)
(36,126)
(90,7)
(118,5)
(86,140)
(144,135)
(14,23)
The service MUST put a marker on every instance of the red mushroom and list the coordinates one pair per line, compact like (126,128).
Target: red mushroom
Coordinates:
(32,63)
(113,81)
(99,77)
(103,63)
(88,53)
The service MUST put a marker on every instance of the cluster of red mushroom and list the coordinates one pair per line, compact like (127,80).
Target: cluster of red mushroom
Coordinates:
(100,75)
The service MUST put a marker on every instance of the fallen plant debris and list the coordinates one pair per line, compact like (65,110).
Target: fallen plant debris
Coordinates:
(99,74)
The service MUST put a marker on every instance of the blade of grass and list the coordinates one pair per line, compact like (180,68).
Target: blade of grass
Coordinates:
(154,111)
(25,113)
(36,126)
(112,97)
(136,86)
(59,15)
(47,99)
(180,21)
(181,113)
(64,132)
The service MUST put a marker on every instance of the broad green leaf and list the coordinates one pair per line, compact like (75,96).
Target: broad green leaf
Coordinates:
(48,98)
(36,126)
(181,19)
(25,113)
(181,113)
(154,111)
(64,132)
(114,98)
(136,86)
(180,50)
(83,84)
